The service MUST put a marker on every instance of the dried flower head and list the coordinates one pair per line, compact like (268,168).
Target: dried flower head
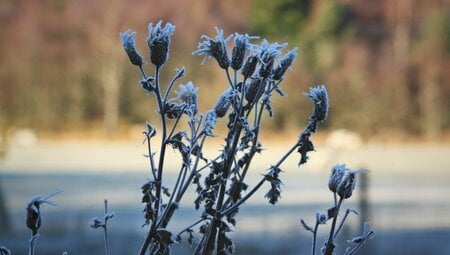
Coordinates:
(223,103)
(130,47)
(343,180)
(249,66)
(188,94)
(210,122)
(34,216)
(158,42)
(269,52)
(337,172)
(319,96)
(241,45)
(284,64)
(347,185)
(4,251)
(253,90)
(215,48)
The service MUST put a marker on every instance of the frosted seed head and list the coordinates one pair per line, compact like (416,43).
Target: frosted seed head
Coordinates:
(337,173)
(158,42)
(284,64)
(215,48)
(188,95)
(129,46)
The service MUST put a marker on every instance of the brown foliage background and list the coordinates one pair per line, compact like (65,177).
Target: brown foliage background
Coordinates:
(386,63)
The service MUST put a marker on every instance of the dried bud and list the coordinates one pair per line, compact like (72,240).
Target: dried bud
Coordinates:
(188,94)
(130,47)
(223,103)
(180,72)
(251,90)
(34,217)
(268,54)
(210,122)
(321,218)
(158,42)
(215,48)
(343,180)
(347,185)
(241,45)
(249,66)
(151,131)
(337,172)
(147,84)
(284,64)
(96,223)
(4,251)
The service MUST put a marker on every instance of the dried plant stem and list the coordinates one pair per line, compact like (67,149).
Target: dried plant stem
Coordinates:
(330,246)
(342,223)
(193,172)
(258,185)
(314,244)
(150,157)
(32,244)
(105,228)
(230,151)
(190,226)
(153,227)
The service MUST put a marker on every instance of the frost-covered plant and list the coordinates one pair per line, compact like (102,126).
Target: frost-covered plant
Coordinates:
(254,73)
(341,183)
(34,217)
(97,223)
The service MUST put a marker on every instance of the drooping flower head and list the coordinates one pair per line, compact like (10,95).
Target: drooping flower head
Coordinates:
(215,48)
(319,96)
(34,217)
(129,45)
(158,42)
(285,62)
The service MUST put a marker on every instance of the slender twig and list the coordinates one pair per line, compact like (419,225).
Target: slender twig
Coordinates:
(232,85)
(150,157)
(32,244)
(245,198)
(315,238)
(359,245)
(191,226)
(105,230)
(175,124)
(169,88)
(193,172)
(342,222)
(258,185)
(153,228)
(330,246)
(177,182)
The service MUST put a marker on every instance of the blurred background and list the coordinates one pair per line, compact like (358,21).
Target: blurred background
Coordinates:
(72,114)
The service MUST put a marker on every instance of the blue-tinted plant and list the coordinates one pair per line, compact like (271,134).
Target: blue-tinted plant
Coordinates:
(34,217)
(97,223)
(254,73)
(341,183)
